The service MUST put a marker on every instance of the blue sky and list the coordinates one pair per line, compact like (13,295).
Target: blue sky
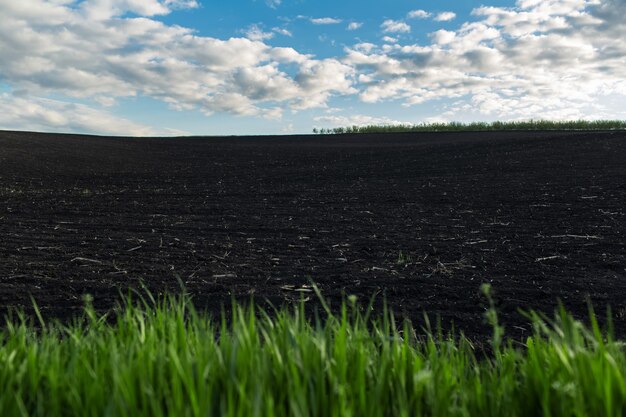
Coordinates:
(179,67)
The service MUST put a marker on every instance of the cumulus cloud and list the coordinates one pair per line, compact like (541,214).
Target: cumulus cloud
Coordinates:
(325,21)
(104,9)
(551,59)
(320,79)
(365,47)
(548,58)
(445,16)
(40,114)
(418,14)
(256,33)
(443,37)
(354,25)
(395,26)
(105,50)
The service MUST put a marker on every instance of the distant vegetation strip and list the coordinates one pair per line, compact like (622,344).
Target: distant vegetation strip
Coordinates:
(163,358)
(480,126)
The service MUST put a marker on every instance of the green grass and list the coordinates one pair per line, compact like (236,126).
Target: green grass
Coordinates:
(404,259)
(165,359)
(481,126)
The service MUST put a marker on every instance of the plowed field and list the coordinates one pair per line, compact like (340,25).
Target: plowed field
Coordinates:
(423,218)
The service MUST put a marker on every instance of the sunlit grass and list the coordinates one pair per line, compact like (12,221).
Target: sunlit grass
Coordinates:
(481,126)
(163,358)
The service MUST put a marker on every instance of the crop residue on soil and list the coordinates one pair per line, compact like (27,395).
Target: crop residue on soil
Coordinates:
(423,218)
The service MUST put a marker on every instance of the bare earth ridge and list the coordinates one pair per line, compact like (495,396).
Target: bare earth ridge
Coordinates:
(424,218)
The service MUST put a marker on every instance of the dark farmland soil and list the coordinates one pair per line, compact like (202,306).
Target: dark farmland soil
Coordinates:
(540,216)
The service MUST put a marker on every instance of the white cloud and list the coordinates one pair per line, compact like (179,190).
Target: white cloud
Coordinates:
(365,47)
(354,25)
(288,129)
(105,101)
(320,79)
(105,9)
(443,37)
(395,26)
(233,102)
(356,120)
(325,21)
(549,58)
(172,4)
(445,16)
(40,114)
(273,3)
(418,14)
(282,31)
(540,59)
(82,50)
(288,55)
(256,33)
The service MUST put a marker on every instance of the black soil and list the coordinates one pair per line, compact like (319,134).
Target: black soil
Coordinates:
(422,218)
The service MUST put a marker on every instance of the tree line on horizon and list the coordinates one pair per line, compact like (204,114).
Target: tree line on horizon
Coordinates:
(477,126)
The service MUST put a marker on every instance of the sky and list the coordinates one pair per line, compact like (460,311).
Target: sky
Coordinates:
(239,67)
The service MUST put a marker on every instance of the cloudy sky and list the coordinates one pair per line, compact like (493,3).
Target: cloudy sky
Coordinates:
(171,67)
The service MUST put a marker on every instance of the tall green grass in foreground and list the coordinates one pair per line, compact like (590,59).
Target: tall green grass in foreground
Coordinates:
(165,359)
(481,126)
